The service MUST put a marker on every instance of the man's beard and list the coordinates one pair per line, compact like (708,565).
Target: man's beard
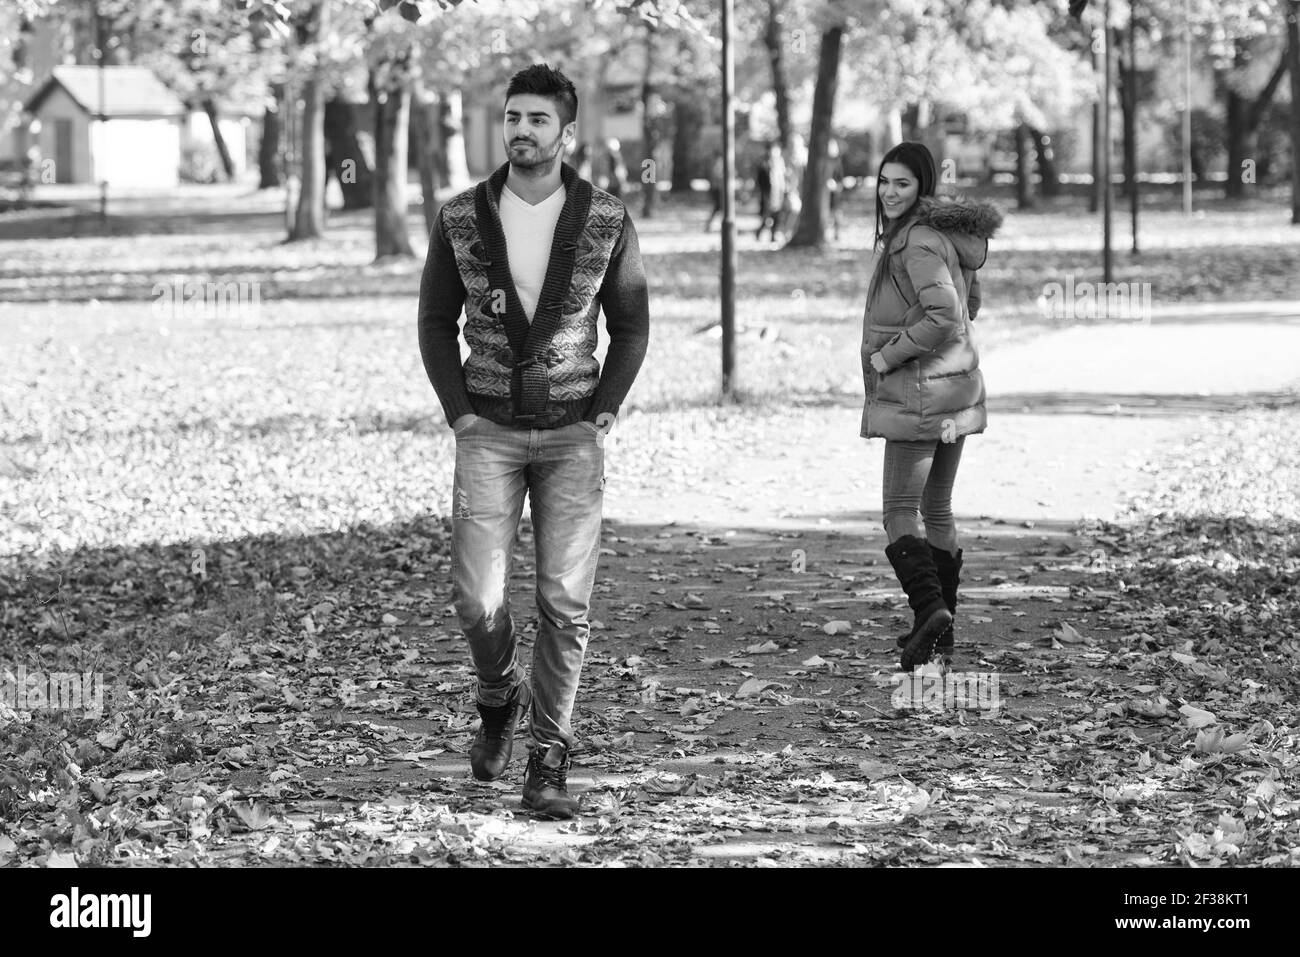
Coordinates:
(536,159)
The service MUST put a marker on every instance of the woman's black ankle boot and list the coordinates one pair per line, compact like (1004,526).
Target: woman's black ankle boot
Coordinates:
(915,567)
(949,569)
(948,566)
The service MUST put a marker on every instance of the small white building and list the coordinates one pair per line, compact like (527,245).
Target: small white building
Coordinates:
(118,123)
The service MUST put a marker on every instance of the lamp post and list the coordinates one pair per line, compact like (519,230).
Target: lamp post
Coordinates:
(728,277)
(102,118)
(1187,108)
(1131,92)
(1107,201)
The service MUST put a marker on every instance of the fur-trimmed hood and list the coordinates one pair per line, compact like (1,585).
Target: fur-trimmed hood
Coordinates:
(968,223)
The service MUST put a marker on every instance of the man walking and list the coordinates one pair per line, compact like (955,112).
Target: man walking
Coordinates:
(770,180)
(532,254)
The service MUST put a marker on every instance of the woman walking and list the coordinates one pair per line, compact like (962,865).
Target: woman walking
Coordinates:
(925,393)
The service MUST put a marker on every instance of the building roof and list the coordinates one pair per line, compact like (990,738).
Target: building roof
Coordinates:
(128,91)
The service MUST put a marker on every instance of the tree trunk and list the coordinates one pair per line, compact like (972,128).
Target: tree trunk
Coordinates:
(649,130)
(923,123)
(268,150)
(1128,115)
(223,151)
(1243,119)
(1293,66)
(935,137)
(390,94)
(774,41)
(456,170)
(426,133)
(309,218)
(1131,131)
(1240,145)
(1047,171)
(811,230)
(1024,168)
(687,123)
(344,156)
(911,121)
(1098,147)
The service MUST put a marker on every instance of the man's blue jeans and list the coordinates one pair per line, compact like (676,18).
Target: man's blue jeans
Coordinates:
(563,472)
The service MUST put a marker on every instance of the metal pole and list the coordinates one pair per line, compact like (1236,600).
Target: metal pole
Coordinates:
(1187,108)
(103,136)
(728,202)
(1106,198)
(290,127)
(1135,199)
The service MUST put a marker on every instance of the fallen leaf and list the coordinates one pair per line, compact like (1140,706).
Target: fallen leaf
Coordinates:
(254,814)
(1214,741)
(418,755)
(1197,717)
(875,770)
(920,803)
(1068,634)
(138,776)
(756,686)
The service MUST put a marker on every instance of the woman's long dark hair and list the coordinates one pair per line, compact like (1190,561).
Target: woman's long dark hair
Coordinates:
(920,162)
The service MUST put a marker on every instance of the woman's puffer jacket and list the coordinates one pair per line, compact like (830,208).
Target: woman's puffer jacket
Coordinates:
(920,322)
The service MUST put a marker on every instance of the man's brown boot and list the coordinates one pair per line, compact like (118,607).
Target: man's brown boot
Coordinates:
(545,783)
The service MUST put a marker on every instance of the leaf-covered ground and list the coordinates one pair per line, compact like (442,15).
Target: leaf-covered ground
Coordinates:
(241,527)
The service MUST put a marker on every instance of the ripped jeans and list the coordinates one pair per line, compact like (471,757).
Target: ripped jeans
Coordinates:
(563,472)
(918,483)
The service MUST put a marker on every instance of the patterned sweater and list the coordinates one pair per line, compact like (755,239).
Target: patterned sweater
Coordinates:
(541,374)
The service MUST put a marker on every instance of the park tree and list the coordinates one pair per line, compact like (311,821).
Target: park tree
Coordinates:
(16,77)
(815,213)
(1293,67)
(401,38)
(200,53)
(1247,41)
(676,53)
(694,88)
(994,62)
(775,40)
(1009,73)
(668,81)
(1245,44)
(789,31)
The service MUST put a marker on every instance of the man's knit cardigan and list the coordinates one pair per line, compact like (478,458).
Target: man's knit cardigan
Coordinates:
(541,374)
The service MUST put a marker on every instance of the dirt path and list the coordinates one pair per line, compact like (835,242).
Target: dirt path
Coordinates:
(739,695)
(313,703)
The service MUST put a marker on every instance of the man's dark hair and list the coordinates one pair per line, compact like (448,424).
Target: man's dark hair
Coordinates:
(540,80)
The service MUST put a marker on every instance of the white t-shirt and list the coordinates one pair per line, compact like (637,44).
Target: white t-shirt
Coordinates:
(529,230)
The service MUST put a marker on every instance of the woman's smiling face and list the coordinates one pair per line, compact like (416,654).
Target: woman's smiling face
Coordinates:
(897,189)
